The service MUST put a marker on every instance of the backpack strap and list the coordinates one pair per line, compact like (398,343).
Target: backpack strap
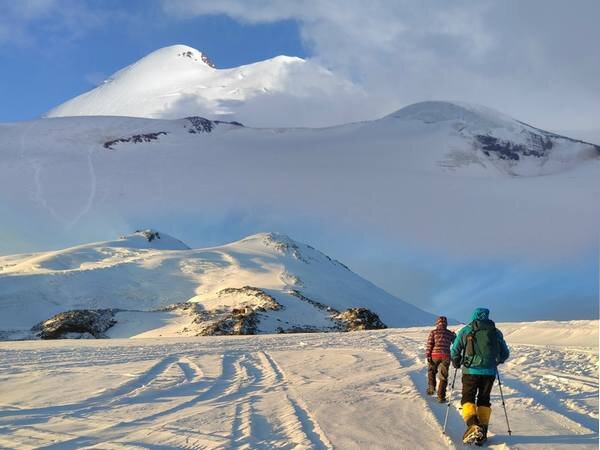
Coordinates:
(469,348)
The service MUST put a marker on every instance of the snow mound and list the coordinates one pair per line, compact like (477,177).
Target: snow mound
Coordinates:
(99,254)
(475,116)
(583,333)
(150,239)
(477,119)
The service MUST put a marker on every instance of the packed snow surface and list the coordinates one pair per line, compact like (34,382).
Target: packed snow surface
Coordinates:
(292,285)
(349,391)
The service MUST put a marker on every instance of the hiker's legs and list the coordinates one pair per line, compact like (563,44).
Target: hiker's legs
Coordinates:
(431,375)
(444,366)
(484,385)
(484,409)
(470,385)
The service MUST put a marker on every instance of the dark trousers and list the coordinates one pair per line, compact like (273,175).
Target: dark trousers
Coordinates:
(476,389)
(440,365)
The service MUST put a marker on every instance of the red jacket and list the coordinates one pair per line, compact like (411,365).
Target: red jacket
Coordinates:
(440,340)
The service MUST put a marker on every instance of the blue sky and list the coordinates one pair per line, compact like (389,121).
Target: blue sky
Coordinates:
(52,64)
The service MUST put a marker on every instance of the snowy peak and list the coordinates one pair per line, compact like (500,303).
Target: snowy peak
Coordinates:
(180,81)
(194,55)
(475,116)
(494,140)
(176,54)
(150,239)
(282,244)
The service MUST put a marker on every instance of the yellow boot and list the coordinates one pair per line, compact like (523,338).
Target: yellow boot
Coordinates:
(474,432)
(484,413)
(469,413)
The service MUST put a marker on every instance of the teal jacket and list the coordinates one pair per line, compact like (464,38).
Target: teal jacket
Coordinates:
(458,346)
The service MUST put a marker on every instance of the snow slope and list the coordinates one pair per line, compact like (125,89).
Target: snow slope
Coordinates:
(179,81)
(300,287)
(496,141)
(322,391)
(77,175)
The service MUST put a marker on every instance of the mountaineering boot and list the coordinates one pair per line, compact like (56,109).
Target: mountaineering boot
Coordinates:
(483,439)
(441,391)
(474,431)
(483,416)
(473,434)
(430,390)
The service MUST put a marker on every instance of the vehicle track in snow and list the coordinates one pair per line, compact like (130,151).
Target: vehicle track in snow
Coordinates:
(245,381)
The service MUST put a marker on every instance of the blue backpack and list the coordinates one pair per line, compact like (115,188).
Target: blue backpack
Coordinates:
(482,347)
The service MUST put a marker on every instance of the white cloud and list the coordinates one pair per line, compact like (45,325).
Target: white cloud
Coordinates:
(533,60)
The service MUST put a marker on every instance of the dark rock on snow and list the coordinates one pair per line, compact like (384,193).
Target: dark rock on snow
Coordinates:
(82,323)
(354,319)
(136,139)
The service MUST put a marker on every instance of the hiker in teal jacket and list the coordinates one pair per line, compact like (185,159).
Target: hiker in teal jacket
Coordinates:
(479,347)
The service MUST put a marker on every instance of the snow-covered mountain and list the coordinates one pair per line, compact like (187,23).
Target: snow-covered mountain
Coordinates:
(457,135)
(433,136)
(150,284)
(179,81)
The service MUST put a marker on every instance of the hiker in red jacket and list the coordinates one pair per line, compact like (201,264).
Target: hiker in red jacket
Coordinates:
(438,356)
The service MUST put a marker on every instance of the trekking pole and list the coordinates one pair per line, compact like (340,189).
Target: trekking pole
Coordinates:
(503,404)
(462,358)
(449,400)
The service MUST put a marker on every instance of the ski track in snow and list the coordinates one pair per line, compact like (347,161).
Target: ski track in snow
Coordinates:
(322,391)
(37,167)
(92,194)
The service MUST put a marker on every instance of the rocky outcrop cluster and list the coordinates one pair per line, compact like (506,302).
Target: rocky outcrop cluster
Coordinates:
(242,320)
(537,146)
(136,139)
(355,319)
(205,59)
(76,324)
(199,125)
(150,235)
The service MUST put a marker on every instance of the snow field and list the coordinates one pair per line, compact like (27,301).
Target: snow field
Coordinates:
(351,390)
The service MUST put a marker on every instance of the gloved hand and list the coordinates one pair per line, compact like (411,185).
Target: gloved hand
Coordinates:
(456,363)
(429,360)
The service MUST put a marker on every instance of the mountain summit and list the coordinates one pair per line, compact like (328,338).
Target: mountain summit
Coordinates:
(180,81)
